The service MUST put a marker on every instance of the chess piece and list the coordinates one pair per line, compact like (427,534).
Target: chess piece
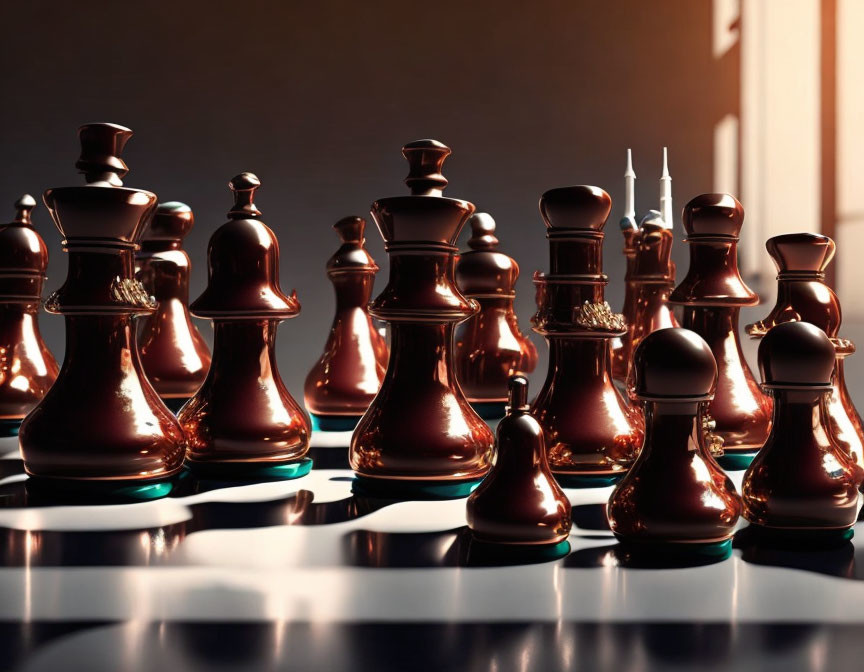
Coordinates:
(801,259)
(101,426)
(592,434)
(801,484)
(712,295)
(630,232)
(174,354)
(242,422)
(519,501)
(490,347)
(675,493)
(346,378)
(420,436)
(27,367)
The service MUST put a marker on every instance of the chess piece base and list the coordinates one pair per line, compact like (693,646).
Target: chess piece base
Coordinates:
(10,426)
(105,491)
(482,552)
(736,461)
(413,489)
(786,537)
(719,550)
(334,423)
(587,480)
(242,471)
(489,410)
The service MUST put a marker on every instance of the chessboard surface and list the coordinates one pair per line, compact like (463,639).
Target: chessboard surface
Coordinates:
(303,575)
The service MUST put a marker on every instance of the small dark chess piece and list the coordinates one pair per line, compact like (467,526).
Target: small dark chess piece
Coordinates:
(801,259)
(675,493)
(346,378)
(519,501)
(801,484)
(243,422)
(592,433)
(101,426)
(27,367)
(621,354)
(490,347)
(420,436)
(174,354)
(712,295)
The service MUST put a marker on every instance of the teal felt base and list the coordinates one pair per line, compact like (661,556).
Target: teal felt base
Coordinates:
(716,549)
(586,480)
(122,491)
(334,423)
(390,488)
(493,410)
(10,427)
(250,471)
(736,461)
(797,539)
(489,553)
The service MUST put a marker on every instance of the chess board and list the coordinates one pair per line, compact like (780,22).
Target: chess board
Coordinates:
(302,575)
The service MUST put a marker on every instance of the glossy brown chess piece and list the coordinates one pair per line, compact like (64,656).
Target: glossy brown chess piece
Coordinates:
(101,425)
(490,347)
(27,367)
(801,259)
(420,437)
(592,434)
(346,378)
(801,484)
(620,353)
(243,422)
(519,501)
(174,354)
(675,493)
(712,295)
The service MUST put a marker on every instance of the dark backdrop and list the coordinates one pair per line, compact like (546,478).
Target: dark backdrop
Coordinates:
(317,98)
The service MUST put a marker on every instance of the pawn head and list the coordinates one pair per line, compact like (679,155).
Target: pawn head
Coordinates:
(674,364)
(351,229)
(581,208)
(23,207)
(713,216)
(796,355)
(801,252)
(482,232)
(172,221)
(517,393)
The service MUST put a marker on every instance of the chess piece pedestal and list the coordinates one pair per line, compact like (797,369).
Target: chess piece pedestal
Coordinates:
(712,295)
(242,422)
(27,367)
(174,354)
(346,378)
(420,437)
(490,347)
(592,433)
(101,426)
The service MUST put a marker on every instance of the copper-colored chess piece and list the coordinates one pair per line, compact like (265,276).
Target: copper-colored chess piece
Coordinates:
(490,347)
(420,436)
(174,354)
(27,367)
(801,259)
(621,352)
(675,493)
(243,421)
(519,501)
(101,423)
(801,484)
(592,434)
(346,378)
(712,295)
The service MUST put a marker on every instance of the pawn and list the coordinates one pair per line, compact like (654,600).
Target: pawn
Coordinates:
(174,354)
(27,367)
(346,378)
(675,493)
(242,421)
(489,346)
(519,501)
(801,484)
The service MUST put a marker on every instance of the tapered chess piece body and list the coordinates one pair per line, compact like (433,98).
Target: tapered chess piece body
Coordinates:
(420,436)
(175,356)
(621,352)
(101,423)
(712,295)
(519,501)
(801,484)
(490,347)
(346,378)
(27,367)
(592,434)
(243,421)
(675,492)
(801,259)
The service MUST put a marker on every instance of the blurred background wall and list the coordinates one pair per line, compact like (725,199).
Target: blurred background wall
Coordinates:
(318,98)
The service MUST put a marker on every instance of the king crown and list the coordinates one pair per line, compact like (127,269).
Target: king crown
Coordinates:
(482,232)
(101,146)
(244,186)
(23,207)
(425,159)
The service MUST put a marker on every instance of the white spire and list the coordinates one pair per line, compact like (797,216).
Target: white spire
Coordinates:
(630,188)
(666,193)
